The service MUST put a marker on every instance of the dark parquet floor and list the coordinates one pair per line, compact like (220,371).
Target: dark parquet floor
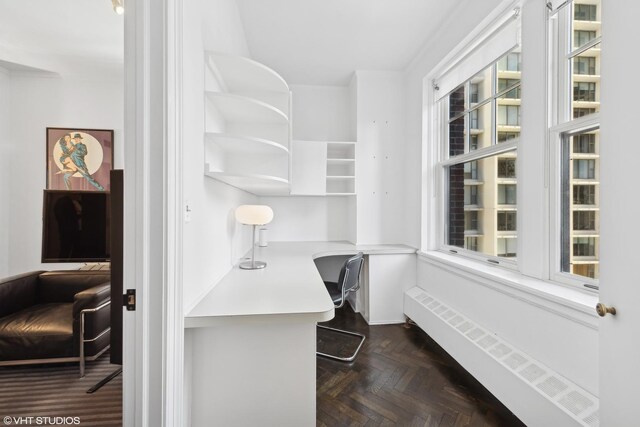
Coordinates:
(401,377)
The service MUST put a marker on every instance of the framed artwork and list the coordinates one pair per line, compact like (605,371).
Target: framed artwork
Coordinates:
(79,159)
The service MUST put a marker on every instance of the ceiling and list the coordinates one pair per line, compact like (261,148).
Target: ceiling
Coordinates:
(323,42)
(318,42)
(71,30)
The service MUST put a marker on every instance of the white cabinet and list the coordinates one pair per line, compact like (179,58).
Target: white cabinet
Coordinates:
(387,278)
(308,168)
(247,125)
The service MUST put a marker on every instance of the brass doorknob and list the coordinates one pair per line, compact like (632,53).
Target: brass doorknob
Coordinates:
(602,310)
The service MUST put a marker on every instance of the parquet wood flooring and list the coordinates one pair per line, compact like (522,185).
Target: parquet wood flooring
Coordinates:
(401,377)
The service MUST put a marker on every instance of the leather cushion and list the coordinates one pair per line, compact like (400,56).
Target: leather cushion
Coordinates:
(334,291)
(61,286)
(18,292)
(39,332)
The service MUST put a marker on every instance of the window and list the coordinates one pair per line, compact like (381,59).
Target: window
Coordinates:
(471,221)
(506,221)
(584,169)
(507,83)
(507,247)
(584,246)
(575,130)
(470,195)
(581,37)
(581,112)
(476,110)
(584,65)
(506,168)
(506,194)
(584,194)
(586,270)
(584,12)
(473,142)
(509,115)
(471,243)
(510,62)
(471,170)
(584,143)
(584,220)
(584,91)
(507,136)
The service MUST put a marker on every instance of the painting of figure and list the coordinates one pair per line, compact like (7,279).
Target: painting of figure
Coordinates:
(79,159)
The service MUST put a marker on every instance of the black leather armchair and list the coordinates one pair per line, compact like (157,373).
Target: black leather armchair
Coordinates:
(57,316)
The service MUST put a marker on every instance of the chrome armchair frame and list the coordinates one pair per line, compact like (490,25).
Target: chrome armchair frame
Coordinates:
(83,340)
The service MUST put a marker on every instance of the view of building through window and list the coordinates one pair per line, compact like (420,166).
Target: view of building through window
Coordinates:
(581,159)
(483,112)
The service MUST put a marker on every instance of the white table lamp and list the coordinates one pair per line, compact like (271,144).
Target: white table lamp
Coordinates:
(253,215)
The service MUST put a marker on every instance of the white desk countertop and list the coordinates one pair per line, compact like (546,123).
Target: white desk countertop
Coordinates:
(289,287)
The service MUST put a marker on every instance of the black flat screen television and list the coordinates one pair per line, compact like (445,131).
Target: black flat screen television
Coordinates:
(75,226)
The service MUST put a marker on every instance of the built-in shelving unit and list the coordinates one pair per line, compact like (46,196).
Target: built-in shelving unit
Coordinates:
(341,168)
(247,125)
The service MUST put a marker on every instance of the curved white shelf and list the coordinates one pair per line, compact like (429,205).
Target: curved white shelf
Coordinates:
(241,74)
(239,108)
(247,145)
(260,185)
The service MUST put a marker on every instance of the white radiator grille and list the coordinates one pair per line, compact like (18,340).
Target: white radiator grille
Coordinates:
(576,402)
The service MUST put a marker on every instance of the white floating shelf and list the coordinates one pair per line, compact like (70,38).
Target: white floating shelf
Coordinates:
(243,74)
(260,185)
(247,145)
(243,109)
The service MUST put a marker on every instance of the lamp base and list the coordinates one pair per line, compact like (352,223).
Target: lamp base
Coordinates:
(255,265)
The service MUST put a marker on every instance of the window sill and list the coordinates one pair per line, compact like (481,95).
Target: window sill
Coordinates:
(570,303)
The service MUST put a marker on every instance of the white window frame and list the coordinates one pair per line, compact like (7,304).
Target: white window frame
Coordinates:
(436,156)
(562,126)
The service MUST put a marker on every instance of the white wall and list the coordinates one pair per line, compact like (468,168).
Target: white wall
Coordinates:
(213,241)
(37,103)
(322,113)
(565,345)
(380,157)
(5,175)
(305,219)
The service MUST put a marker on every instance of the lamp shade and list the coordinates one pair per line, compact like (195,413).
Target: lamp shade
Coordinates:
(254,214)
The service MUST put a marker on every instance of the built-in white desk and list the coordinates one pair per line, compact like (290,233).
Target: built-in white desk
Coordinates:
(252,338)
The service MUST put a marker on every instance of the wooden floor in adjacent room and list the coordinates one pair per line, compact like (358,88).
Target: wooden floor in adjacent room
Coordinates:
(56,390)
(401,377)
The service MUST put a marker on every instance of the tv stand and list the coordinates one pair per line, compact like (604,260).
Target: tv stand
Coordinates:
(96,266)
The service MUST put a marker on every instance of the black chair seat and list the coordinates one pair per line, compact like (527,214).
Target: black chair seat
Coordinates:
(334,291)
(41,331)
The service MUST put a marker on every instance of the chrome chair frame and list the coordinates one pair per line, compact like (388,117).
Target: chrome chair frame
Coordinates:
(343,300)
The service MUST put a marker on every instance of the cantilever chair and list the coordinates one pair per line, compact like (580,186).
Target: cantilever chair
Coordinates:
(348,281)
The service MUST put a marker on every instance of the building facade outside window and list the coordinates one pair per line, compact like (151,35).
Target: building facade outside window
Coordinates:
(578,49)
(482,112)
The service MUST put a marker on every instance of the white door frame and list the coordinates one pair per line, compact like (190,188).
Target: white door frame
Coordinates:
(619,370)
(153,335)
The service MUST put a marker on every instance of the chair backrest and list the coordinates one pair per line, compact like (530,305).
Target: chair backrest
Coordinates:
(349,280)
